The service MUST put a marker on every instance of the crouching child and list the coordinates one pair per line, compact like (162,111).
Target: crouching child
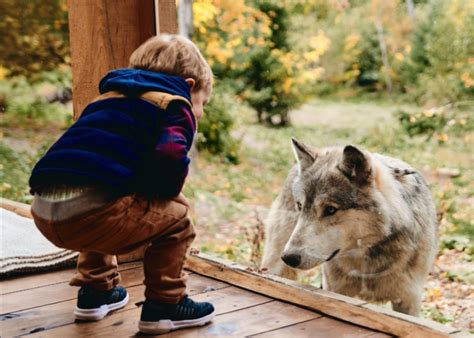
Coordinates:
(112,183)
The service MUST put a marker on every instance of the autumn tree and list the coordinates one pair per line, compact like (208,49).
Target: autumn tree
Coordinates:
(33,35)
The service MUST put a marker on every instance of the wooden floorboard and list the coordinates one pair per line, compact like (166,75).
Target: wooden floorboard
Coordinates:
(125,323)
(50,294)
(322,327)
(37,280)
(48,316)
(250,321)
(43,307)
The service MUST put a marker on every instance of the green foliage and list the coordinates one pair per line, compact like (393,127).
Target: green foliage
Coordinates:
(278,23)
(430,59)
(263,88)
(33,35)
(440,68)
(435,314)
(14,173)
(214,128)
(369,59)
(267,84)
(440,121)
(23,102)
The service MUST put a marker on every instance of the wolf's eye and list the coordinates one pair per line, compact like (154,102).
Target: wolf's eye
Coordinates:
(329,210)
(299,205)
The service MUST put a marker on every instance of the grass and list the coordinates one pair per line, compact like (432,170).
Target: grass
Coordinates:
(230,201)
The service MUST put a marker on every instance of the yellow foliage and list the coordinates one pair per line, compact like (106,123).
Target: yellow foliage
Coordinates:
(399,56)
(351,41)
(286,87)
(3,73)
(467,79)
(229,28)
(433,294)
(443,138)
(320,43)
(204,11)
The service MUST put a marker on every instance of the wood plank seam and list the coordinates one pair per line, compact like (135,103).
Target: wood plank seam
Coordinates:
(246,307)
(289,325)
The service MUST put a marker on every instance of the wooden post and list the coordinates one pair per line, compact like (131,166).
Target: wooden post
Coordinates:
(166,16)
(103,34)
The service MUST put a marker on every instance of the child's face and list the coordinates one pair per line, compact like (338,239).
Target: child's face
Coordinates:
(199,99)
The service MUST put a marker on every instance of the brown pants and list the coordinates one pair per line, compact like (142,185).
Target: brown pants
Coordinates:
(119,227)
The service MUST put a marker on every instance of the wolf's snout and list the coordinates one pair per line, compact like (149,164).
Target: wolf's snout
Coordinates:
(292,260)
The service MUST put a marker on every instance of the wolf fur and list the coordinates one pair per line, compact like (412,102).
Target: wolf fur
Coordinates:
(368,219)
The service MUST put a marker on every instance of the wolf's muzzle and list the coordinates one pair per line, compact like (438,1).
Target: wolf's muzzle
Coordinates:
(292,260)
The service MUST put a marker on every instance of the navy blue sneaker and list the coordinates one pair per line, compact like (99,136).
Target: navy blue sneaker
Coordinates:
(93,304)
(158,318)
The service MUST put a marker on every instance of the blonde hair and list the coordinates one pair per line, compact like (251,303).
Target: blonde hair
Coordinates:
(173,55)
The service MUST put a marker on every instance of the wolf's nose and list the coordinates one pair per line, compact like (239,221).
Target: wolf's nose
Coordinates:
(292,260)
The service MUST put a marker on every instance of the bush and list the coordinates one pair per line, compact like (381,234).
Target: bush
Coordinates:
(14,173)
(265,88)
(34,36)
(214,129)
(440,121)
(22,102)
(271,82)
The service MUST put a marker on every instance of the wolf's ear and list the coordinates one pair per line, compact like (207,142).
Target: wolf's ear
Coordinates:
(355,165)
(304,155)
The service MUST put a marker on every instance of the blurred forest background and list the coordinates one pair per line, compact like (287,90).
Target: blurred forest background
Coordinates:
(394,76)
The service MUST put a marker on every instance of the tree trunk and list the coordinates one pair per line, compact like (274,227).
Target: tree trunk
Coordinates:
(410,9)
(383,49)
(185,18)
(260,115)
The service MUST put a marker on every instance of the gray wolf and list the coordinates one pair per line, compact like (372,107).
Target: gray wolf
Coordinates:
(369,220)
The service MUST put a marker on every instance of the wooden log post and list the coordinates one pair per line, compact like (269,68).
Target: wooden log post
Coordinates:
(103,34)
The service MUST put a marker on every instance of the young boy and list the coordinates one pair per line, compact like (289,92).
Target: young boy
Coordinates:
(112,184)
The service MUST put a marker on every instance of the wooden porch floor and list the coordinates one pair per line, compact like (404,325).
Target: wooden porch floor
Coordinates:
(41,305)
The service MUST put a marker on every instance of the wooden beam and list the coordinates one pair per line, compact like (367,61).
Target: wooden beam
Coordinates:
(103,34)
(166,16)
(329,303)
(16,207)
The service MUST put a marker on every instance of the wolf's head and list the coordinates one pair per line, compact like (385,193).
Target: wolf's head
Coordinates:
(339,214)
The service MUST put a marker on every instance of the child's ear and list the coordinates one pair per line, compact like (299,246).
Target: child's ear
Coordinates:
(191,82)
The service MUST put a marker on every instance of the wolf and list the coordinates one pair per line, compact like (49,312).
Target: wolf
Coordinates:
(369,219)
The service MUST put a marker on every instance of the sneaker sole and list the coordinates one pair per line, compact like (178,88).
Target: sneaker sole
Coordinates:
(99,313)
(166,325)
